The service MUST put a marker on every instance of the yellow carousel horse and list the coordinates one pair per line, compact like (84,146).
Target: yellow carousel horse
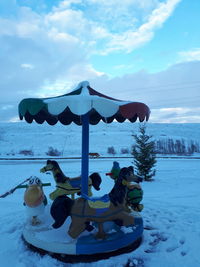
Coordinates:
(66,185)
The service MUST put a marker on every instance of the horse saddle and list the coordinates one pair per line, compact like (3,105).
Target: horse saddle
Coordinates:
(99,202)
(75,183)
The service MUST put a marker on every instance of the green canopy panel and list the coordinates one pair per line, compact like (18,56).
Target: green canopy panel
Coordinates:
(70,107)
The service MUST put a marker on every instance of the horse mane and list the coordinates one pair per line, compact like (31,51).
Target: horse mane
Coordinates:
(118,192)
(59,176)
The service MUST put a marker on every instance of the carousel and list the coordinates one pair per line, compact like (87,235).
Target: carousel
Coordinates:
(76,226)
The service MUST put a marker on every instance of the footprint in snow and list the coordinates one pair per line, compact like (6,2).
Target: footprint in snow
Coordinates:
(182,241)
(183,253)
(172,248)
(158,237)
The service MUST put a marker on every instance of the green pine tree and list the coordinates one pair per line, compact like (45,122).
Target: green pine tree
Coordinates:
(144,154)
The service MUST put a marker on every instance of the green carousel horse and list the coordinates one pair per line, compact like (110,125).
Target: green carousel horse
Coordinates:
(66,185)
(83,210)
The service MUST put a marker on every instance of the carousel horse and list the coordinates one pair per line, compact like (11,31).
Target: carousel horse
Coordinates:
(83,210)
(34,200)
(66,185)
(134,194)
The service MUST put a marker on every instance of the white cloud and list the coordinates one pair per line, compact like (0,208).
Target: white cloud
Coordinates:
(78,72)
(173,91)
(6,107)
(48,54)
(118,27)
(172,95)
(175,115)
(27,66)
(69,21)
(14,119)
(62,37)
(133,39)
(69,80)
(190,55)
(28,42)
(66,4)
(176,110)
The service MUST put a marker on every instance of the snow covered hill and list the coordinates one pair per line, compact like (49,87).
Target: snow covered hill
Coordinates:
(33,140)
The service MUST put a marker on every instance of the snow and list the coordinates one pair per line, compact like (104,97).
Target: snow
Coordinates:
(16,137)
(171,202)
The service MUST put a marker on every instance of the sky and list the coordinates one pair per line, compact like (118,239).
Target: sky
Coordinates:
(141,50)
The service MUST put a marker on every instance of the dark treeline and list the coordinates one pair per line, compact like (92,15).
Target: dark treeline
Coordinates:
(178,147)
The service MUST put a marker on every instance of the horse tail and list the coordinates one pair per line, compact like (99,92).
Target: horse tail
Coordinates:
(96,180)
(60,210)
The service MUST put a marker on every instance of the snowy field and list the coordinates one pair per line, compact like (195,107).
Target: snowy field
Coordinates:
(171,214)
(16,138)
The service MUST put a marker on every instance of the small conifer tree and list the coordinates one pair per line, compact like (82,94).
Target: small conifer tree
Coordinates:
(144,154)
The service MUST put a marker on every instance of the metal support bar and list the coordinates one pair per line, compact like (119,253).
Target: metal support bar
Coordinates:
(85,152)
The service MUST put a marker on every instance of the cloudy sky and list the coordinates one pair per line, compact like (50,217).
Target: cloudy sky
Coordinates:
(140,50)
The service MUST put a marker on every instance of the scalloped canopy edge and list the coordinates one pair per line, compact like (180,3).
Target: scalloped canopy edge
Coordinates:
(70,107)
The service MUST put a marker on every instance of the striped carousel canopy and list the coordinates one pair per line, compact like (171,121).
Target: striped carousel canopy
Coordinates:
(70,107)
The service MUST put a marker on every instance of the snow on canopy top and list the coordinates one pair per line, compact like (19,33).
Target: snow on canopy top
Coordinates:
(83,99)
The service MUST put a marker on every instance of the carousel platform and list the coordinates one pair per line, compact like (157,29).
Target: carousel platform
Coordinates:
(57,243)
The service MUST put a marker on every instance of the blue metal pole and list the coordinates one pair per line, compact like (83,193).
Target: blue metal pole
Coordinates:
(85,152)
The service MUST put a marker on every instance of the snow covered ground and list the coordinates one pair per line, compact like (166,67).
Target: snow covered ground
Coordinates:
(18,137)
(171,214)
(171,203)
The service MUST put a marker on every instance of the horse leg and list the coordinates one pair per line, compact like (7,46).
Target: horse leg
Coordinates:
(127,218)
(76,227)
(89,191)
(101,233)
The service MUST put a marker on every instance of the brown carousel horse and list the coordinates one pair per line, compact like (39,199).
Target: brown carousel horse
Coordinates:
(83,210)
(66,185)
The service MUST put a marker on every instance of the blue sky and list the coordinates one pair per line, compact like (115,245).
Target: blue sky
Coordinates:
(140,50)
(177,34)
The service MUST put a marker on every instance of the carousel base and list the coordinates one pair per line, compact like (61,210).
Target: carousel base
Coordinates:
(57,244)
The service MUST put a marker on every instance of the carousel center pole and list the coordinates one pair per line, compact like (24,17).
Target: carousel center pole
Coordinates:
(85,152)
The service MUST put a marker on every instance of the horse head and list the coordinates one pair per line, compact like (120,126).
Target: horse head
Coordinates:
(53,166)
(128,176)
(50,165)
